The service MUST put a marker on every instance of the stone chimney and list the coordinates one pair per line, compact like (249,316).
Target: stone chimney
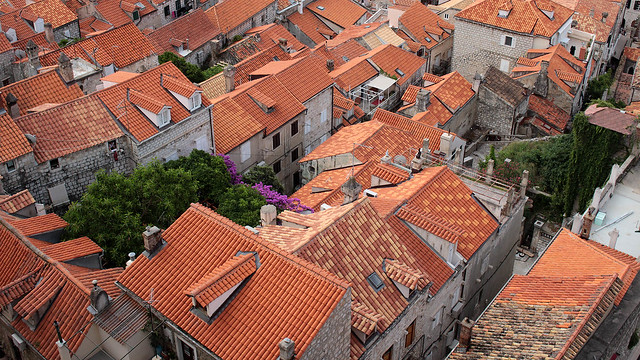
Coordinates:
(524,183)
(417,162)
(386,159)
(541,86)
(99,298)
(587,222)
(446,142)
(604,16)
(48,33)
(283,44)
(268,214)
(613,238)
(465,335)
(65,68)
(490,165)
(32,54)
(229,78)
(287,349)
(351,190)
(330,65)
(425,146)
(423,98)
(477,79)
(152,239)
(12,105)
(300,6)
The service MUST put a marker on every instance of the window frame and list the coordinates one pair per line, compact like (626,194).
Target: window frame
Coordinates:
(15,165)
(167,11)
(512,41)
(135,15)
(54,161)
(278,165)
(294,126)
(192,101)
(388,355)
(295,151)
(411,334)
(275,138)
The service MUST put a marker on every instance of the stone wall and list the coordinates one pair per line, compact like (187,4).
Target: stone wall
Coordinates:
(477,46)
(282,153)
(333,339)
(316,131)
(67,31)
(178,139)
(265,16)
(256,153)
(493,112)
(464,118)
(6,67)
(143,65)
(76,171)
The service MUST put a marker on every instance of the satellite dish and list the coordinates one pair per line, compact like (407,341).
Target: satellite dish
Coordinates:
(400,160)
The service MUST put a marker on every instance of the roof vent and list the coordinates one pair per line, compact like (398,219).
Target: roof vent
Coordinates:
(320,8)
(325,207)
(371,193)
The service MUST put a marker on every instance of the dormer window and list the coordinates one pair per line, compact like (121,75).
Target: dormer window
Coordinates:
(218,288)
(503,13)
(136,15)
(152,108)
(164,118)
(195,101)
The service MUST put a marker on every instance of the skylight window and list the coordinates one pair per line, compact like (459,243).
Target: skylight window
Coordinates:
(427,38)
(320,8)
(346,59)
(375,282)
(400,72)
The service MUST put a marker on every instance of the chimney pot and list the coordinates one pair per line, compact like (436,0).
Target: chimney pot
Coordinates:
(268,214)
(152,239)
(132,258)
(351,190)
(417,162)
(330,65)
(386,159)
(99,298)
(12,105)
(287,349)
(283,43)
(229,78)
(587,221)
(48,33)
(446,140)
(465,335)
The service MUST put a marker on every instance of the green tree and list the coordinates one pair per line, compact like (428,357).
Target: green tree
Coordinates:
(115,209)
(214,70)
(209,171)
(242,204)
(265,175)
(191,71)
(597,86)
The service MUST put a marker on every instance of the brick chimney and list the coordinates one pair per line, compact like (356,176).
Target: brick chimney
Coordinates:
(330,65)
(423,98)
(351,190)
(287,349)
(229,78)
(477,79)
(268,214)
(152,240)
(417,162)
(283,44)
(48,33)
(65,68)
(465,335)
(446,140)
(12,105)
(587,222)
(541,86)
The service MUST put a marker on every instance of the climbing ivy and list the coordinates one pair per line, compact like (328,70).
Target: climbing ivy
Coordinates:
(590,161)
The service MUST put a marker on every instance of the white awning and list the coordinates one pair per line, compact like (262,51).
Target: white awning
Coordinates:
(381,82)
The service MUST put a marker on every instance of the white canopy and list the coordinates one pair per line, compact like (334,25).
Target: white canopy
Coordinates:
(381,82)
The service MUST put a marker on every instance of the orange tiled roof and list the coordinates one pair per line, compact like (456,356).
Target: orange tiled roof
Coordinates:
(92,25)
(70,127)
(13,20)
(564,69)
(271,34)
(340,12)
(405,275)
(421,130)
(424,26)
(391,58)
(39,224)
(547,316)
(596,24)
(14,143)
(390,173)
(353,32)
(16,202)
(72,249)
(232,125)
(255,308)
(551,114)
(524,16)
(46,87)
(53,11)
(363,318)
(631,54)
(342,141)
(147,84)
(195,28)
(311,26)
(120,46)
(354,73)
(570,255)
(230,14)
(113,13)
(254,62)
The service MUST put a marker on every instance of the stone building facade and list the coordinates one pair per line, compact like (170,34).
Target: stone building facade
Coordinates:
(317,122)
(283,157)
(502,102)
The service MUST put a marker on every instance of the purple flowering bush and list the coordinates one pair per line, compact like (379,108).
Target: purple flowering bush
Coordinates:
(232,169)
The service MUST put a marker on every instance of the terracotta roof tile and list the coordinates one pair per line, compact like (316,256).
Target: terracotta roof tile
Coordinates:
(342,141)
(255,308)
(214,86)
(551,114)
(16,202)
(631,54)
(47,87)
(39,224)
(232,125)
(354,73)
(612,119)
(271,34)
(14,144)
(53,11)
(391,58)
(13,21)
(92,25)
(340,12)
(425,26)
(70,127)
(311,26)
(364,319)
(195,29)
(121,46)
(230,14)
(316,79)
(256,61)
(525,16)
(405,275)
(113,13)
(72,249)
(596,24)
(390,173)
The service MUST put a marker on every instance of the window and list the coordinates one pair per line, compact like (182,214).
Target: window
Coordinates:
(295,154)
(245,151)
(572,50)
(276,140)
(136,15)
(436,319)
(388,355)
(195,101)
(167,11)
(58,195)
(411,330)
(164,117)
(54,164)
(186,352)
(375,282)
(277,166)
(446,16)
(296,179)
(275,58)
(504,65)
(323,116)
(178,6)
(294,127)
(507,41)
(112,146)
(636,5)
(11,165)
(400,72)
